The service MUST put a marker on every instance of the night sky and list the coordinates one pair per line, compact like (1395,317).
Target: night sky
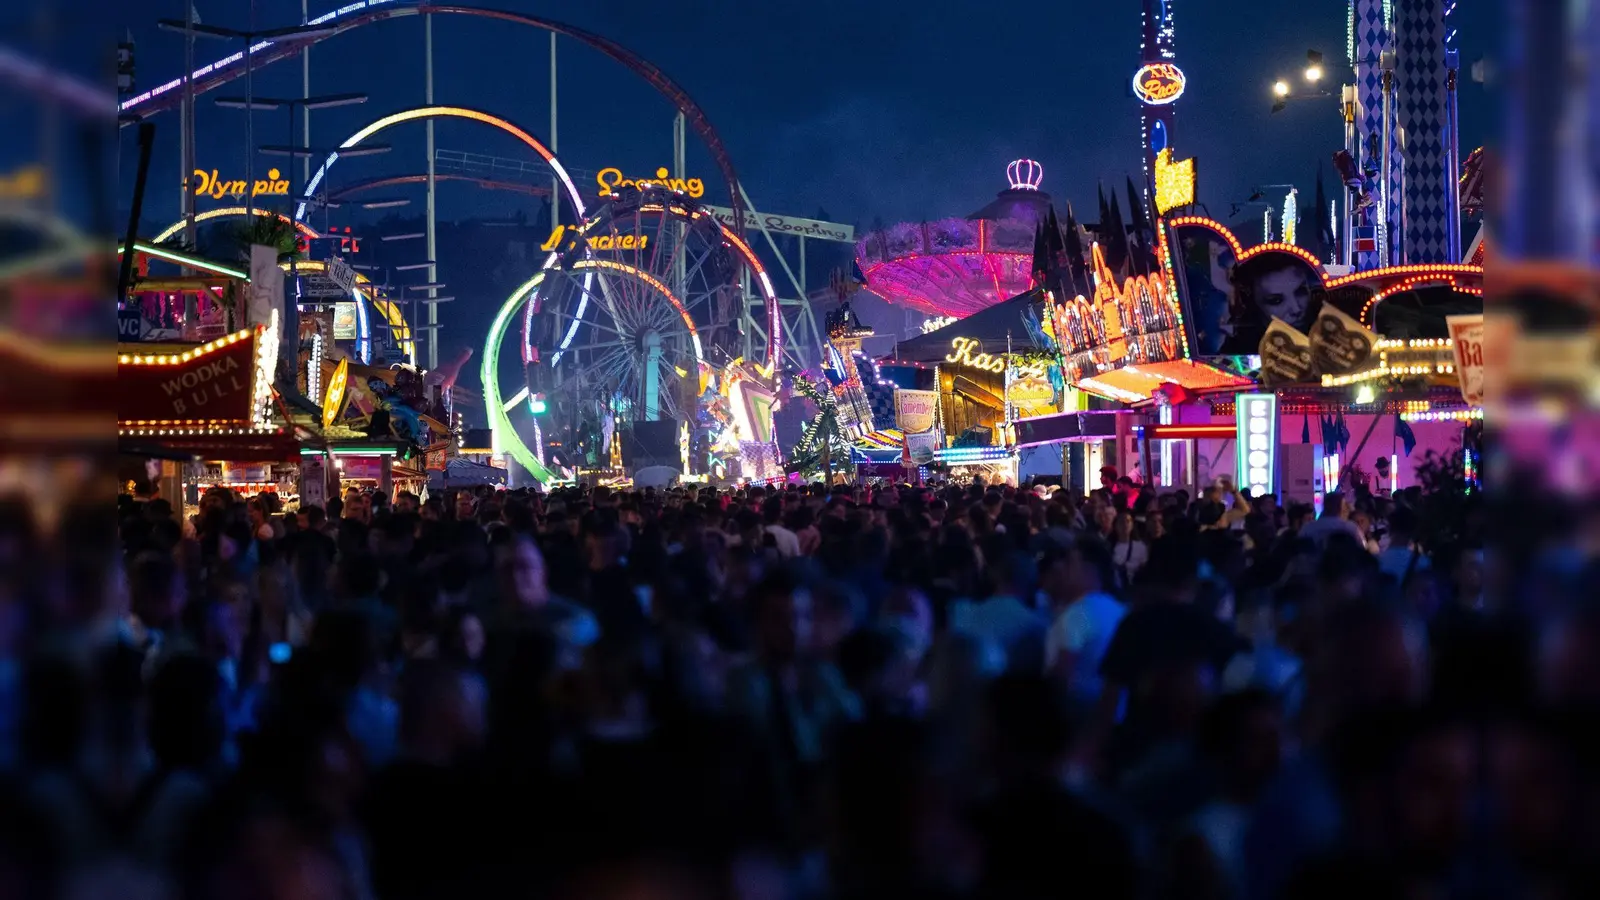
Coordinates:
(855,108)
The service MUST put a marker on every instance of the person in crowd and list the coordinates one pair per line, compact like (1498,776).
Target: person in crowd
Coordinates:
(955,690)
(1335,519)
(1086,616)
(1128,552)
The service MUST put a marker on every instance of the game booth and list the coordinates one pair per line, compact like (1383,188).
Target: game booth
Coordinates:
(1347,377)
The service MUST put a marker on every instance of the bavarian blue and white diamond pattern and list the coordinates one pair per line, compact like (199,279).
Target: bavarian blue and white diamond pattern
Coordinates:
(1420,74)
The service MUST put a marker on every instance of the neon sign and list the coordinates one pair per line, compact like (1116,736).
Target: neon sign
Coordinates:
(599,241)
(963,352)
(1136,322)
(1174,182)
(1257,418)
(611,178)
(1158,84)
(210,184)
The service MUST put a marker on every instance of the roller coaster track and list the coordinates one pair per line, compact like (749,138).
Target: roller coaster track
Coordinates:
(365,12)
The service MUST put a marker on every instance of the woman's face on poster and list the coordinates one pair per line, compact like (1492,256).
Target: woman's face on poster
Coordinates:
(1284,294)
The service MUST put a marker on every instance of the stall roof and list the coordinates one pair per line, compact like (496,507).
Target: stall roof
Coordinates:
(990,327)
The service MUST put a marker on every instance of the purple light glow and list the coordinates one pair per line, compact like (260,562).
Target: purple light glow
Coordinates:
(1024,174)
(951,267)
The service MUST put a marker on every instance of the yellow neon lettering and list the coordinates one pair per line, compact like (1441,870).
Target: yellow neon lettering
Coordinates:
(210,184)
(610,179)
(962,354)
(599,241)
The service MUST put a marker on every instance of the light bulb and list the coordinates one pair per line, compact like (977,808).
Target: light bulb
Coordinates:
(1281,88)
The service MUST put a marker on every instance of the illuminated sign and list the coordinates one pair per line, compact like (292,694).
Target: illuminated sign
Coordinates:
(963,352)
(215,382)
(1174,182)
(1159,83)
(1256,416)
(210,184)
(599,241)
(611,178)
(333,401)
(1137,322)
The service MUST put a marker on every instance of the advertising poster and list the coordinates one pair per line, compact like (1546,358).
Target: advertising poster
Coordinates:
(921,446)
(1285,355)
(1466,336)
(1233,304)
(344,321)
(914,411)
(1339,344)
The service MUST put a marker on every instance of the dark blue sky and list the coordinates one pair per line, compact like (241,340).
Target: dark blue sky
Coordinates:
(860,108)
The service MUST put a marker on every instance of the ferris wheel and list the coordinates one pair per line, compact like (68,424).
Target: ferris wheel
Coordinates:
(627,317)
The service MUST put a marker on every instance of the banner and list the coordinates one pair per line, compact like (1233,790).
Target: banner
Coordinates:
(790,225)
(1339,344)
(921,447)
(266,286)
(217,384)
(1466,335)
(914,411)
(1285,355)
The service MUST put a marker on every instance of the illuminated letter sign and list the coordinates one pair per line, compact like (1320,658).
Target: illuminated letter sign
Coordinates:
(610,179)
(1158,83)
(1120,326)
(1174,182)
(963,352)
(1257,419)
(210,184)
(600,241)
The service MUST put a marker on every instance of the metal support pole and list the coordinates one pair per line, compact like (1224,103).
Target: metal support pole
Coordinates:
(249,123)
(433,246)
(555,184)
(186,141)
(290,340)
(680,266)
(1452,155)
(1348,108)
(1385,239)
(305,91)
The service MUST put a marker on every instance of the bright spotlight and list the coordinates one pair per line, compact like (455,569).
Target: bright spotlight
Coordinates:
(1281,88)
(1313,73)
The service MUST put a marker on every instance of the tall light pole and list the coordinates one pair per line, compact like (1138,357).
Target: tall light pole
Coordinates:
(291,317)
(192,29)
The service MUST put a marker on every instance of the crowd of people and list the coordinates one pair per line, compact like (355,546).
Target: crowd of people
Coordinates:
(959,691)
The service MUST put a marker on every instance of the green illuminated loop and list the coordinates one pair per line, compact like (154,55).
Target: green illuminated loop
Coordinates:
(506,437)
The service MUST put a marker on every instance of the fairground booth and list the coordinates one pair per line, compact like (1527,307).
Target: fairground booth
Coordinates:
(204,400)
(1187,356)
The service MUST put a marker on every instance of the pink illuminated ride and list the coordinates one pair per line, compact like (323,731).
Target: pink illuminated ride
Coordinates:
(956,267)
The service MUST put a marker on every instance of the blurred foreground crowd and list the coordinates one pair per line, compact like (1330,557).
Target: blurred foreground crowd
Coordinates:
(901,692)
